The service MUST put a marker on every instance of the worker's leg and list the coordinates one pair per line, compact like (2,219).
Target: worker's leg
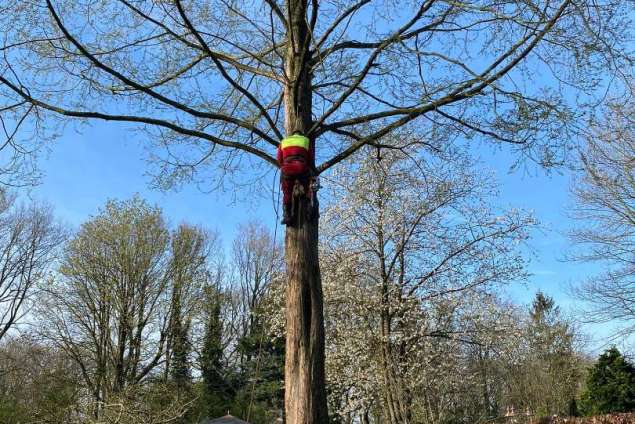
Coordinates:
(286,184)
(313,211)
(305,181)
(291,171)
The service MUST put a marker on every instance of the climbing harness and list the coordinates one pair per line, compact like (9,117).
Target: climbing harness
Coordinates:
(310,193)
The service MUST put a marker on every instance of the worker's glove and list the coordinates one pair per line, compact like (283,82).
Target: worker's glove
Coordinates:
(315,184)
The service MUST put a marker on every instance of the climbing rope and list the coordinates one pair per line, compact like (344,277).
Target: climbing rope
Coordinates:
(262,332)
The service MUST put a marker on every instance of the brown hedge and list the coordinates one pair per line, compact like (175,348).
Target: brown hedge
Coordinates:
(602,419)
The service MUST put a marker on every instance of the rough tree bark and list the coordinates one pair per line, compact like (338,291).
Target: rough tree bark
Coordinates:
(305,391)
(396,400)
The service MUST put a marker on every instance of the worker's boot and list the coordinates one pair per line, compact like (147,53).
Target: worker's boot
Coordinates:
(287,216)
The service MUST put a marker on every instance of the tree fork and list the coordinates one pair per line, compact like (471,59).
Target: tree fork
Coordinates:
(305,391)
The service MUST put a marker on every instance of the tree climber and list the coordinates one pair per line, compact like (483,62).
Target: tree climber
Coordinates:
(296,164)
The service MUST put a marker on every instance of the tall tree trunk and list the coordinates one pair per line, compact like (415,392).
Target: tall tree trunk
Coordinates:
(395,394)
(305,391)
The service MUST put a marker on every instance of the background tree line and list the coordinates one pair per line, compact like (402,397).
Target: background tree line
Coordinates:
(143,320)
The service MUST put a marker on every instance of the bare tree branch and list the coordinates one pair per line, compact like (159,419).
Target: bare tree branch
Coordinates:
(140,119)
(149,91)
(464,91)
(223,72)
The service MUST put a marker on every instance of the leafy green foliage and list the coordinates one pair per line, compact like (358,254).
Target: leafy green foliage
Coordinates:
(264,371)
(215,393)
(610,385)
(180,366)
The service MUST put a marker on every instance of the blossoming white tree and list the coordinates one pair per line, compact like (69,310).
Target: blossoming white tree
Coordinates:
(410,264)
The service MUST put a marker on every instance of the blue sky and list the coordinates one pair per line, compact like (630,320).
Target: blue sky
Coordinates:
(104,161)
(547,195)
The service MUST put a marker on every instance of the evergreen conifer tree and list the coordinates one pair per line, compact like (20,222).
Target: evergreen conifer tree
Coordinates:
(610,385)
(180,367)
(216,394)
(263,371)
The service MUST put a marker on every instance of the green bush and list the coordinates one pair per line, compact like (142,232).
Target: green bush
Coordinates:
(610,385)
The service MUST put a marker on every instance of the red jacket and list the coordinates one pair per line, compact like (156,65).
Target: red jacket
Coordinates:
(294,145)
(294,156)
(293,151)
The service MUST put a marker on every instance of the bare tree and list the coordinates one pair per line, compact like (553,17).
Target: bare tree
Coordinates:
(259,266)
(29,237)
(605,210)
(109,310)
(38,383)
(217,83)
(152,404)
(258,261)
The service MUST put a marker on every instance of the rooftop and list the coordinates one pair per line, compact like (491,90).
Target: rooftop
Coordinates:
(227,419)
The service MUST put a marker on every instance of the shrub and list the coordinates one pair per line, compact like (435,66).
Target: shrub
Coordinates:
(610,385)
